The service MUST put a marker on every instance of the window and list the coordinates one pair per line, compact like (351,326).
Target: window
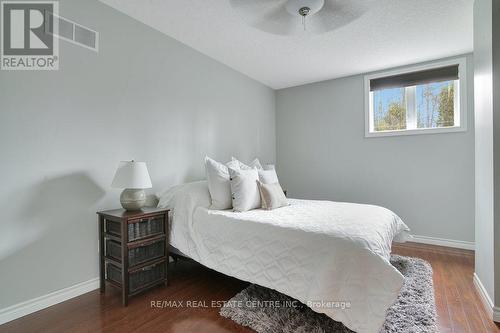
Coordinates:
(416,100)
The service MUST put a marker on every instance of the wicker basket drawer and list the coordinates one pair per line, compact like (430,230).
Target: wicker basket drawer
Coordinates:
(143,228)
(139,254)
(137,229)
(140,278)
(113,227)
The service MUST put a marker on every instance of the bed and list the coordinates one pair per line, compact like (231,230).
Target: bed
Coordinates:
(332,256)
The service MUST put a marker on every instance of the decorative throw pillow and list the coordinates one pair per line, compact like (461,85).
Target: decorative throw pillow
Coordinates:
(267,173)
(272,196)
(244,189)
(218,183)
(268,176)
(255,164)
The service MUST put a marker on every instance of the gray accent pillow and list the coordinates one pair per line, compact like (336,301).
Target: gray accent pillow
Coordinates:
(272,196)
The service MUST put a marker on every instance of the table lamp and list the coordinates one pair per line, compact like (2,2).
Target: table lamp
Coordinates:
(133,177)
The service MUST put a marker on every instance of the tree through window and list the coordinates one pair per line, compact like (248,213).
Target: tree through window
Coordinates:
(414,101)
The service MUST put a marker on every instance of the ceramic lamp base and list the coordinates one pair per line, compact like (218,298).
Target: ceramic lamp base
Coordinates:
(133,199)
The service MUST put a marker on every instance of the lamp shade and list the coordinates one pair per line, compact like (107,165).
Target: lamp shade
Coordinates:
(131,174)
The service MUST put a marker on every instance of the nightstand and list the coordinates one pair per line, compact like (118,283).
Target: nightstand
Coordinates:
(133,249)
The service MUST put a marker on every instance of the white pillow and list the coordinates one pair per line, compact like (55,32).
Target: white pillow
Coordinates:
(268,176)
(267,173)
(218,183)
(244,189)
(255,164)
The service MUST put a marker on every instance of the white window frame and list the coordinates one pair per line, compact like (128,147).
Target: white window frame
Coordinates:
(460,100)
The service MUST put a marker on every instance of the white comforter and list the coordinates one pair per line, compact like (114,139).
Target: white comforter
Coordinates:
(325,254)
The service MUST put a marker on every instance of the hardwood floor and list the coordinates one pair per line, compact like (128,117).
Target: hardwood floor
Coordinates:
(458,304)
(459,307)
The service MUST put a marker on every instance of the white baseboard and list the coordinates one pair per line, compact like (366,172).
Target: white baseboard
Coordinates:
(442,242)
(493,311)
(496,314)
(24,308)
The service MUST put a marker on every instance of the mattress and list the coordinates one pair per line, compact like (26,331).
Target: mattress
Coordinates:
(332,256)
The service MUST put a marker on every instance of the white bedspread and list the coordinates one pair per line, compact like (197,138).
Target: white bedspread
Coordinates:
(325,254)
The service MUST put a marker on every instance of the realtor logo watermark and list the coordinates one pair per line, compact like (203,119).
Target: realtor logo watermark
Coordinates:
(26,43)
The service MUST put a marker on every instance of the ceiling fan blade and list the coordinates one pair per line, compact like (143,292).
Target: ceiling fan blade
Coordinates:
(252,10)
(337,13)
(348,6)
(255,3)
(267,15)
(278,22)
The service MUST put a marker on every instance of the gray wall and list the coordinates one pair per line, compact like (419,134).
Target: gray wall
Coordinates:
(144,96)
(496,146)
(483,104)
(322,153)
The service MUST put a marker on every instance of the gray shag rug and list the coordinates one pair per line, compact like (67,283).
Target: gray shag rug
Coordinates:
(413,312)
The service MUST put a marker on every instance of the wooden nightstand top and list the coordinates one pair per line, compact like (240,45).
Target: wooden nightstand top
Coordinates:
(124,214)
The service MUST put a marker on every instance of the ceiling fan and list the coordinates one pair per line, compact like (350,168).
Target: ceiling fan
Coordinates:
(289,17)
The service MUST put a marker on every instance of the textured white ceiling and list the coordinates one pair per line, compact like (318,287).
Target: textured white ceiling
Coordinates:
(389,34)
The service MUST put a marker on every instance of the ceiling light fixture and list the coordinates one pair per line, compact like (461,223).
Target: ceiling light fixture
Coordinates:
(304,11)
(283,17)
(304,8)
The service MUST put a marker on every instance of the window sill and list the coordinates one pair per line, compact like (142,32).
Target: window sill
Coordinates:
(440,130)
